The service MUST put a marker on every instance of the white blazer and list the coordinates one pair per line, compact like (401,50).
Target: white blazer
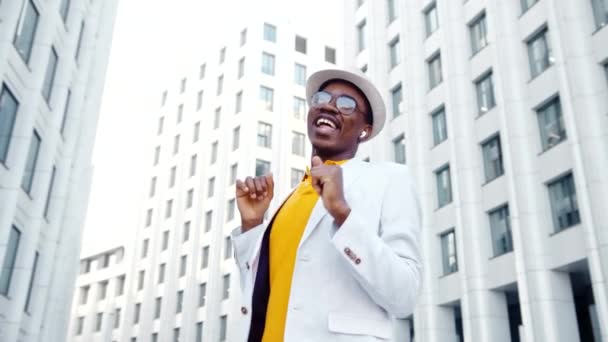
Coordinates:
(348,283)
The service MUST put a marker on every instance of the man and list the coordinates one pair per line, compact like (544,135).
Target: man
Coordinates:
(339,259)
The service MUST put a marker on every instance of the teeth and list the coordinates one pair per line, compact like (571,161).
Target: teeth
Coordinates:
(325,121)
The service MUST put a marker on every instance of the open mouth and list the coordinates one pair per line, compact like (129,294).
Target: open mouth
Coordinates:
(326,122)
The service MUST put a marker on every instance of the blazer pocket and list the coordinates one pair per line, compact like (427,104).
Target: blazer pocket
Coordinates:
(359,325)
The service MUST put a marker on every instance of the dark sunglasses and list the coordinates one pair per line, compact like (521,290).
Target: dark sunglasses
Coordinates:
(345,104)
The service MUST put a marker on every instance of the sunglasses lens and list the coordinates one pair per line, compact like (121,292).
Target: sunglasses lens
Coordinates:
(321,98)
(346,105)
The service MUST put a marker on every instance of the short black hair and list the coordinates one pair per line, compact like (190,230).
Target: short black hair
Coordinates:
(369,117)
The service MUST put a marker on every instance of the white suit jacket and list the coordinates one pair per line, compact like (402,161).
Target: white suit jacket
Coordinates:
(348,282)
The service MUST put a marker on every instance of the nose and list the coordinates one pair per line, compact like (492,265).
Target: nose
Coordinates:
(329,107)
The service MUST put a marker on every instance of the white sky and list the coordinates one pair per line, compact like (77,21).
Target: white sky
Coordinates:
(153,41)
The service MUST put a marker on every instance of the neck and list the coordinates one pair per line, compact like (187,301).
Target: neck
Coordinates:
(335,156)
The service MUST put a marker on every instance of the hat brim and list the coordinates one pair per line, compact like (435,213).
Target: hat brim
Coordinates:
(378,108)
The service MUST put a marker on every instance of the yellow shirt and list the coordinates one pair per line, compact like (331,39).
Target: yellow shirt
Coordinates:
(287,230)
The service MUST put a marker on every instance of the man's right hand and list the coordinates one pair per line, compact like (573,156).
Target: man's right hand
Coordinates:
(253,196)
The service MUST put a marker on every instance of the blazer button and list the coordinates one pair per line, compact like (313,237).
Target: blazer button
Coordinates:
(347,251)
(247,264)
(357,261)
(243,310)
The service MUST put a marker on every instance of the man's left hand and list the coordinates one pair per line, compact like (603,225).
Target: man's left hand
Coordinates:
(327,182)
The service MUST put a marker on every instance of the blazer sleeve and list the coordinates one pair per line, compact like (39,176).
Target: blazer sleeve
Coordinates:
(383,255)
(244,245)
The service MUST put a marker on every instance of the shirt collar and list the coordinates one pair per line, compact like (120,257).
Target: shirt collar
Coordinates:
(306,177)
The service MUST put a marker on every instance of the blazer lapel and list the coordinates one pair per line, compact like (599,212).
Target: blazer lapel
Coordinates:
(351,170)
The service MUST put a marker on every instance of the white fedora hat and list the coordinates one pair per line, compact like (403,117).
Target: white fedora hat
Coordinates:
(316,80)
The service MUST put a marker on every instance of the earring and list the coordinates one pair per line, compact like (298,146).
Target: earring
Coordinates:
(363,134)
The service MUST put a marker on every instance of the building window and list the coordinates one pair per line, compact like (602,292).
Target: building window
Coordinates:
(176,334)
(210,186)
(297,144)
(448,252)
(136,313)
(156,155)
(526,4)
(49,76)
(189,198)
(183,262)
(478,30)
(193,161)
(492,158)
(213,153)
(208,220)
(330,55)
(30,165)
(440,131)
(172,173)
(158,303)
(264,135)
(500,225)
(270,33)
(564,205)
(223,325)
(296,177)
(205,257)
(236,137)
(217,117)
(238,103)
(84,294)
(179,301)
(220,85)
(117,318)
(399,149)
(169,208)
(182,86)
(431,20)
(199,332)
(196,131)
(364,69)
(98,321)
(227,248)
(154,337)
(163,99)
(551,124)
(176,144)
(300,74)
(31,283)
(66,109)
(79,43)
(267,63)
(242,42)
(230,210)
(396,100)
(299,108)
(359,3)
(485,93)
(300,44)
(64,8)
(391,11)
(120,285)
(361,33)
(140,279)
(165,242)
(199,100)
(202,292)
(222,55)
(8,113)
(161,273)
(226,287)
(233,171)
(600,12)
(103,290)
(26,30)
(262,167)
(201,71)
(266,98)
(241,68)
(79,325)
(161,124)
(149,217)
(444,186)
(434,64)
(539,53)
(10,256)
(394,55)
(144,248)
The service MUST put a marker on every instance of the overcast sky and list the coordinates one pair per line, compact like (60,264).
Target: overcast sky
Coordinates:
(153,41)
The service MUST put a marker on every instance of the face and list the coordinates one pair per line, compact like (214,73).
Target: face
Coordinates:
(333,133)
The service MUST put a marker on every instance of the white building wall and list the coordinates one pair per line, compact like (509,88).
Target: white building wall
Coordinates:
(541,269)
(57,237)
